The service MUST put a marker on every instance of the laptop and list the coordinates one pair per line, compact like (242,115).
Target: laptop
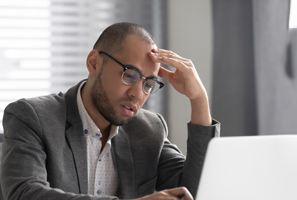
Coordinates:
(250,168)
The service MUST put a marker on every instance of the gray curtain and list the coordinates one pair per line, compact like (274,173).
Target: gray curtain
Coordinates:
(255,87)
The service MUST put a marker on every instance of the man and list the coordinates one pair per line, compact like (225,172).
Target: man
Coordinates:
(95,141)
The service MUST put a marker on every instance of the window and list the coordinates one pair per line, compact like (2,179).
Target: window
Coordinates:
(293,14)
(44,43)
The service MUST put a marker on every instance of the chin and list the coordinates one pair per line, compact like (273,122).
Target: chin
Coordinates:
(118,122)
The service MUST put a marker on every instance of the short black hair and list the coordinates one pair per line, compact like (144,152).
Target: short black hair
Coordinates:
(113,36)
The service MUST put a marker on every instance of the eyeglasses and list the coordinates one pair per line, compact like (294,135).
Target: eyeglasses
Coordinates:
(132,75)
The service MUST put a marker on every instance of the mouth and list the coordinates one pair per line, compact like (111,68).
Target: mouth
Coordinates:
(129,109)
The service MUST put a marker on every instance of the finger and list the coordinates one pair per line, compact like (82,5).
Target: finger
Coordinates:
(164,55)
(154,57)
(180,192)
(164,73)
(165,51)
(168,53)
(155,50)
(180,65)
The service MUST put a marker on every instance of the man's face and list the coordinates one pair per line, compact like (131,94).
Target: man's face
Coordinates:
(116,101)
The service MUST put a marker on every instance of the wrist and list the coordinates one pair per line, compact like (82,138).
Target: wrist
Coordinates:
(200,114)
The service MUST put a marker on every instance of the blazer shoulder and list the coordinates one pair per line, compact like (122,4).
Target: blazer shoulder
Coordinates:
(48,103)
(147,121)
(146,116)
(35,111)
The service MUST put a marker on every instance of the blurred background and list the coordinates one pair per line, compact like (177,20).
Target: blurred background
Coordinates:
(244,51)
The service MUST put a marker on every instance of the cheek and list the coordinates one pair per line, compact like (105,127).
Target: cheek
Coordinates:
(114,88)
(112,83)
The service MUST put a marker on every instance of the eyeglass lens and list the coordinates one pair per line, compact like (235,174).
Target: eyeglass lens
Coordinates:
(131,77)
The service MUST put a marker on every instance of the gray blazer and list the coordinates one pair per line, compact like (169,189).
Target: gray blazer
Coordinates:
(44,152)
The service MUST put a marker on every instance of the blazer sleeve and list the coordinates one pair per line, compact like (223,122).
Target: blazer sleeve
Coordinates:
(176,170)
(23,165)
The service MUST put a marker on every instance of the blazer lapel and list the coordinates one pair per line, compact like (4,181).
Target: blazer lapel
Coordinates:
(75,137)
(78,146)
(125,165)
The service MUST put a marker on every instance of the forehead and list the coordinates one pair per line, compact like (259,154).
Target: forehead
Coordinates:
(135,52)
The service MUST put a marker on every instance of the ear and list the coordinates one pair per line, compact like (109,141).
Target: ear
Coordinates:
(94,62)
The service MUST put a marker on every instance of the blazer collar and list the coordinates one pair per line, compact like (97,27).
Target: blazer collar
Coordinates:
(75,137)
(123,159)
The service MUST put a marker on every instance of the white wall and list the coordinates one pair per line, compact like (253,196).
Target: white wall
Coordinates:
(190,36)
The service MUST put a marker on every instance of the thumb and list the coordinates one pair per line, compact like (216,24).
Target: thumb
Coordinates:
(181,193)
(164,73)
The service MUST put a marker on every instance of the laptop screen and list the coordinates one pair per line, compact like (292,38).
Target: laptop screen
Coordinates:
(250,168)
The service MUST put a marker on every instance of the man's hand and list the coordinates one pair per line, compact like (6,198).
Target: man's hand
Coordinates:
(185,80)
(171,194)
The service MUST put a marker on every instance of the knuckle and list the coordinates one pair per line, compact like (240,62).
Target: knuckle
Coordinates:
(184,188)
(162,193)
(171,53)
(189,61)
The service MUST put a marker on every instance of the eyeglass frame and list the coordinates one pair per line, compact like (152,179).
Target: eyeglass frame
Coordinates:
(125,67)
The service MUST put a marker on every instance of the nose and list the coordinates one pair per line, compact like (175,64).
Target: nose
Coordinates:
(136,91)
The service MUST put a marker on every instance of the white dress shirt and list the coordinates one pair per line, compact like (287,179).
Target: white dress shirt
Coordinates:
(102,174)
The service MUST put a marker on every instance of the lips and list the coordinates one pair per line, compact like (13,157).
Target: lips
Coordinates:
(129,109)
(130,106)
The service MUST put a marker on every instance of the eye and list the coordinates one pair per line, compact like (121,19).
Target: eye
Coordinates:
(131,76)
(148,86)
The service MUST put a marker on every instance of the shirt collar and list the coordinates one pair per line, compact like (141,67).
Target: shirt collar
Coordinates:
(89,126)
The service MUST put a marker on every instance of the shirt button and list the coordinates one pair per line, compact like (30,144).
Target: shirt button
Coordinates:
(86,131)
(98,192)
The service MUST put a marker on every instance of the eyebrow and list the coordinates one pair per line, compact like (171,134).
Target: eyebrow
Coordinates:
(128,65)
(138,70)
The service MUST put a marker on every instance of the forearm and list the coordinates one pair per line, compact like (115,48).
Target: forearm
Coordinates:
(175,170)
(198,139)
(200,114)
